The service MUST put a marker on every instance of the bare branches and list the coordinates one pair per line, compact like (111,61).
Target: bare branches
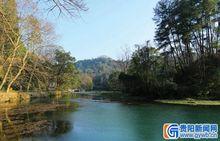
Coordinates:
(70,7)
(125,58)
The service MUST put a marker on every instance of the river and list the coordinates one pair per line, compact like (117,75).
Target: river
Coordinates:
(113,121)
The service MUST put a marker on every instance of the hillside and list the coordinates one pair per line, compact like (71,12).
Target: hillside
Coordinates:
(99,68)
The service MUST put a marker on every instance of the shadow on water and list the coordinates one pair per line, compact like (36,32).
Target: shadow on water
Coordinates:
(97,120)
(35,119)
(60,127)
(109,121)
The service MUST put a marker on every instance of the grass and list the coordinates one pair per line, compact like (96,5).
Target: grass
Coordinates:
(191,102)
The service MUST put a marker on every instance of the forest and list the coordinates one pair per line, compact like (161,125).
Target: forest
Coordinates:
(158,88)
(184,61)
(30,59)
(99,69)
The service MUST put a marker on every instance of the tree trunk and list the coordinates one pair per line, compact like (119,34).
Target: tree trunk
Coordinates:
(19,72)
(29,82)
(10,64)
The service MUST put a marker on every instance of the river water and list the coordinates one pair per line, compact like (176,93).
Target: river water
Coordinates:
(112,121)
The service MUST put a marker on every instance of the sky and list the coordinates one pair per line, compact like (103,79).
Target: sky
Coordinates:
(106,27)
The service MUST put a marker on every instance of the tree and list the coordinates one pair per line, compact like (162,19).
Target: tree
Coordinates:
(125,59)
(113,82)
(24,34)
(71,7)
(25,38)
(64,71)
(86,82)
(99,69)
(187,29)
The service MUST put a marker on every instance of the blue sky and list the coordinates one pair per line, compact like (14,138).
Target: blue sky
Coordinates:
(106,27)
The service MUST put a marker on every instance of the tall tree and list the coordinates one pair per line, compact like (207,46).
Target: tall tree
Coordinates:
(64,71)
(187,29)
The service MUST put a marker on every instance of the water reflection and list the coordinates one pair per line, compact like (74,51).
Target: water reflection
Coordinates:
(35,119)
(60,127)
(98,121)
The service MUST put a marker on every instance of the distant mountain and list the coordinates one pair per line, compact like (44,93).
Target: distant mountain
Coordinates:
(99,68)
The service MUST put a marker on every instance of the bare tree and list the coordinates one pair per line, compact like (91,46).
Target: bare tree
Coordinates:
(26,35)
(70,7)
(25,39)
(125,58)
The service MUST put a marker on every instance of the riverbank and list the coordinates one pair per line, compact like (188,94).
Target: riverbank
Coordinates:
(118,96)
(13,97)
(30,119)
(191,102)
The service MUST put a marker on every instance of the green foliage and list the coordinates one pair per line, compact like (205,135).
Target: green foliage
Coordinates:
(99,69)
(193,84)
(146,76)
(86,82)
(187,29)
(113,82)
(185,62)
(28,60)
(64,70)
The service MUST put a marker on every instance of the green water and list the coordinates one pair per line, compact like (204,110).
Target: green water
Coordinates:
(101,121)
